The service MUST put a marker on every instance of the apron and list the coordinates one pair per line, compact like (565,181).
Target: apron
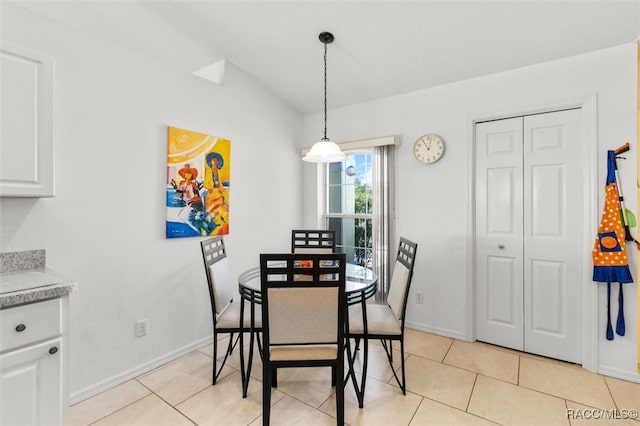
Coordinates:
(610,262)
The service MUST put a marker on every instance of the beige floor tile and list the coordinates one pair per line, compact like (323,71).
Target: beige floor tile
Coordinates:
(498,348)
(509,404)
(568,383)
(378,364)
(625,394)
(182,378)
(149,411)
(484,360)
(582,415)
(438,392)
(105,403)
(234,360)
(383,405)
(311,385)
(223,404)
(432,413)
(443,383)
(426,345)
(223,341)
(552,361)
(289,411)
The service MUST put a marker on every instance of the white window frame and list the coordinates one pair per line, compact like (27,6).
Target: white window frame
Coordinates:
(388,248)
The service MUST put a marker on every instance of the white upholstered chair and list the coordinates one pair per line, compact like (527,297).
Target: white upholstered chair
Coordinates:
(222,290)
(303,312)
(386,321)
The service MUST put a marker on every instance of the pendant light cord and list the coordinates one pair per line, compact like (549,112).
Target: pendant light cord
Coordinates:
(325,92)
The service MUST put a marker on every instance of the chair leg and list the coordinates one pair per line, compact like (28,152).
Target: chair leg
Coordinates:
(340,392)
(249,365)
(404,383)
(230,347)
(389,350)
(215,356)
(233,346)
(259,344)
(274,377)
(334,374)
(266,395)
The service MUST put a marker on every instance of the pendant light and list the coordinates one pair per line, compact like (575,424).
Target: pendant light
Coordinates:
(325,151)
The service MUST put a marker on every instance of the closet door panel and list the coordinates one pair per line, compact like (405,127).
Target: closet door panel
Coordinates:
(499,314)
(552,274)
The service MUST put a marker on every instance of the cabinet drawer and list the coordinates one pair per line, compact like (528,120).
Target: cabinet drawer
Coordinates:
(30,323)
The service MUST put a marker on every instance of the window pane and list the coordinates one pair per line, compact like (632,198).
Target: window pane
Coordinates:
(350,185)
(349,192)
(335,202)
(353,237)
(335,173)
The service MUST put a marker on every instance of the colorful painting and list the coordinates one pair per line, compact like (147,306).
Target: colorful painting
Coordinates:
(198,179)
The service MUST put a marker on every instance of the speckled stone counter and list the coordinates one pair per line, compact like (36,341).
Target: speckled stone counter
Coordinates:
(24,278)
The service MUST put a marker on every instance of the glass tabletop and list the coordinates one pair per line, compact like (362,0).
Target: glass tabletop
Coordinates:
(358,280)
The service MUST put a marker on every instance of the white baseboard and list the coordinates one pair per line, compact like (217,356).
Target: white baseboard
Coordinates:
(618,374)
(454,334)
(118,379)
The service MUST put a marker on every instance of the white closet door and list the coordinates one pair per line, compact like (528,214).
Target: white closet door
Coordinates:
(529,233)
(499,245)
(553,196)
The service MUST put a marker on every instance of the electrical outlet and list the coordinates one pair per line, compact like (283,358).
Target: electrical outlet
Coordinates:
(141,328)
(420,297)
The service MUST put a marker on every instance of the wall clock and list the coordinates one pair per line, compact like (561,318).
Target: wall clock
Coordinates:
(428,148)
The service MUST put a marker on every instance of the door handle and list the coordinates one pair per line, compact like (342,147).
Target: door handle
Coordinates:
(501,246)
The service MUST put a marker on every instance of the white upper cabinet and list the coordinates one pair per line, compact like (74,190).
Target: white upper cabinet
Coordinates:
(26,122)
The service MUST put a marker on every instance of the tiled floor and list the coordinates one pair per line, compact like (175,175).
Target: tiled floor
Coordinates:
(450,382)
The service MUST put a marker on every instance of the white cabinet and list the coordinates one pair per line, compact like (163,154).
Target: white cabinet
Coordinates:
(33,389)
(30,385)
(26,122)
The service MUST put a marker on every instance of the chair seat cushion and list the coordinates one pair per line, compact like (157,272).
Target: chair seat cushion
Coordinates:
(380,320)
(302,353)
(230,317)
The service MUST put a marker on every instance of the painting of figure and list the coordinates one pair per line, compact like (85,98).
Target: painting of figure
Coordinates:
(198,183)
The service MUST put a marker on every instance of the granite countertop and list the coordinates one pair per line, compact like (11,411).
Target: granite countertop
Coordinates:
(24,278)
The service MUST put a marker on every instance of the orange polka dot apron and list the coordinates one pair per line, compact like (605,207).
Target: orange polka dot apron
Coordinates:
(610,261)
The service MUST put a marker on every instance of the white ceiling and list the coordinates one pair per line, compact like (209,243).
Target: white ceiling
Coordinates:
(381,48)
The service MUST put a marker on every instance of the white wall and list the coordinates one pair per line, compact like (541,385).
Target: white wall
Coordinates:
(432,206)
(105,227)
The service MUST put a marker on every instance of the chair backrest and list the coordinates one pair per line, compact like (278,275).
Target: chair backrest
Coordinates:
(221,289)
(401,277)
(313,241)
(303,299)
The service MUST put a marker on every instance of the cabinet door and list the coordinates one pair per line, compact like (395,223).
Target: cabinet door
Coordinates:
(30,388)
(26,114)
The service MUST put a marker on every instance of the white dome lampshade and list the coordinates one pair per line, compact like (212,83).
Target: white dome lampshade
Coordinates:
(325,151)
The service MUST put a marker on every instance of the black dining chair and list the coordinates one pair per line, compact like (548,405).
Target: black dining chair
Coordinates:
(225,313)
(303,318)
(313,241)
(386,321)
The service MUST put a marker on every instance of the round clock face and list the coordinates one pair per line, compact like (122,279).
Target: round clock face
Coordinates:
(428,148)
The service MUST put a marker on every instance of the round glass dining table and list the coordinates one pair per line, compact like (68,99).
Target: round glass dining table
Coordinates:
(360,285)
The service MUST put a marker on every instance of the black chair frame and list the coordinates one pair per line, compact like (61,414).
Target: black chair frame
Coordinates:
(405,255)
(323,264)
(213,251)
(313,239)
